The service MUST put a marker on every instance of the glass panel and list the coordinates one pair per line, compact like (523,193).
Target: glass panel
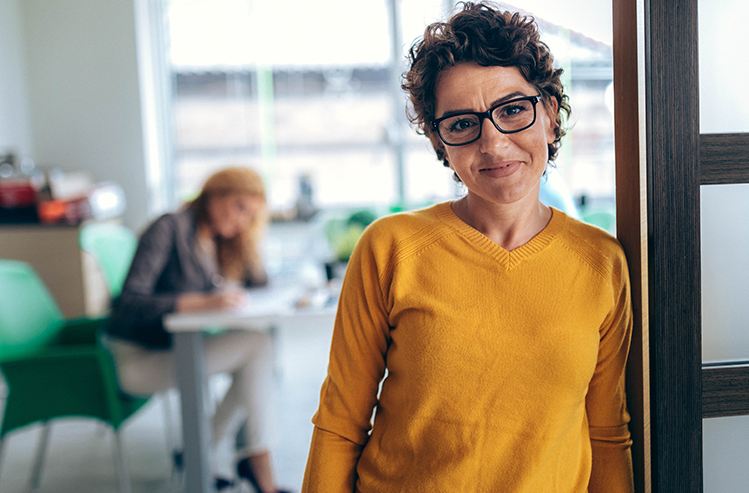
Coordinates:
(725,235)
(724,41)
(290,90)
(725,448)
(725,262)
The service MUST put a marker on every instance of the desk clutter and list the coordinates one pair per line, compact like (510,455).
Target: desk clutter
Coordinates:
(319,296)
(265,307)
(29,194)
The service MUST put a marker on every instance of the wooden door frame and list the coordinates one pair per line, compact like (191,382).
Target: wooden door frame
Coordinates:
(657,146)
(671,52)
(631,217)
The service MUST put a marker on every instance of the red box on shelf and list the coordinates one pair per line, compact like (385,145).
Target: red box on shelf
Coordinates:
(17,192)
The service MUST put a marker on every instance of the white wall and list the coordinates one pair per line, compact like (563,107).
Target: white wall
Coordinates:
(83,93)
(15,133)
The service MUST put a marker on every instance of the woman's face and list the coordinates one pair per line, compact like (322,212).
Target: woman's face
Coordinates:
(498,168)
(231,214)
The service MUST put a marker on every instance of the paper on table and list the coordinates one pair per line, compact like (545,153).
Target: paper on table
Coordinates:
(269,301)
(265,307)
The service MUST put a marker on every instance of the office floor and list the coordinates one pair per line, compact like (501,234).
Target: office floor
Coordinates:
(81,452)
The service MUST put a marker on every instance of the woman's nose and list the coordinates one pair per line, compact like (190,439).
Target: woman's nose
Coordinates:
(491,138)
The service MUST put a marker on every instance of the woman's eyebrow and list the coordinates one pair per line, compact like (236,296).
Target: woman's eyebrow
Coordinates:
(512,95)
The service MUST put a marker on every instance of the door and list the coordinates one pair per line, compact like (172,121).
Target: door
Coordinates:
(662,161)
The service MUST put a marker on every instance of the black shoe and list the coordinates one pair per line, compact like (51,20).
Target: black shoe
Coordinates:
(244,471)
(178,460)
(219,483)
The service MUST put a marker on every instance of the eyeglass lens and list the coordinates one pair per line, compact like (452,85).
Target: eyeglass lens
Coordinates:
(509,117)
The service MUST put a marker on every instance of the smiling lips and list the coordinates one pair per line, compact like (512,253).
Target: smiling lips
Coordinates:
(500,170)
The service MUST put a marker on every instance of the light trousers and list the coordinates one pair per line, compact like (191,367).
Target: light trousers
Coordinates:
(246,355)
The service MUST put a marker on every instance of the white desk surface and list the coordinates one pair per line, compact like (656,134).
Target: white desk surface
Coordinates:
(266,307)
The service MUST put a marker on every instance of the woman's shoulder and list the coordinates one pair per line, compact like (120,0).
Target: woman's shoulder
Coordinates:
(587,233)
(168,227)
(170,221)
(594,245)
(391,240)
(402,226)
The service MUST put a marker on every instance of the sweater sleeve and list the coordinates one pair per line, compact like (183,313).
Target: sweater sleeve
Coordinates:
(331,464)
(357,365)
(257,278)
(139,307)
(606,400)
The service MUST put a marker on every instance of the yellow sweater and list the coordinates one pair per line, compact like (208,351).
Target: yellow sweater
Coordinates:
(505,370)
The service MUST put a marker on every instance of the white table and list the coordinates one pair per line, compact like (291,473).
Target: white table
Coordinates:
(267,308)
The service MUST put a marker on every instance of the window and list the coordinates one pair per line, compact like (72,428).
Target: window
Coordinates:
(304,92)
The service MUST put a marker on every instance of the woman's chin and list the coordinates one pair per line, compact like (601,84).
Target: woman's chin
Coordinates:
(229,235)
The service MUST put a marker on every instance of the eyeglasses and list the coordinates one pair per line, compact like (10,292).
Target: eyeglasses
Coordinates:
(509,117)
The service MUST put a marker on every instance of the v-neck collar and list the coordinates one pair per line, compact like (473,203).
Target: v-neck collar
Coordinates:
(507,258)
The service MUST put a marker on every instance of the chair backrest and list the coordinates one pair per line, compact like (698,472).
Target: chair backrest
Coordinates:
(113,247)
(29,315)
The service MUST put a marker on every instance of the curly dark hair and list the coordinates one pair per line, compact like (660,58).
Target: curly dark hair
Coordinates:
(483,34)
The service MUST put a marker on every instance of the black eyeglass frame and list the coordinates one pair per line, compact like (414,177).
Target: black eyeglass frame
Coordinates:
(488,114)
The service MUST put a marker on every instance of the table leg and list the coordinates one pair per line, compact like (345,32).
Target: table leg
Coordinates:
(192,378)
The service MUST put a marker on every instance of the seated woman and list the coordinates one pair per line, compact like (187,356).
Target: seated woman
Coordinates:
(200,258)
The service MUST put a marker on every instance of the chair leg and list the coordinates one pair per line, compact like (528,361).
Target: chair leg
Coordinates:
(172,450)
(171,443)
(2,453)
(41,452)
(123,472)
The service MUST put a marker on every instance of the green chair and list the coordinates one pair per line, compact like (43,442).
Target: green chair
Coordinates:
(603,219)
(113,247)
(54,367)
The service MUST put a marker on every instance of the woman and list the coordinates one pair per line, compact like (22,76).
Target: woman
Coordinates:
(503,325)
(200,258)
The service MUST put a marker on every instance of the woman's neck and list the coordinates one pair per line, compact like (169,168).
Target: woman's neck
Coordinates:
(205,235)
(508,225)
